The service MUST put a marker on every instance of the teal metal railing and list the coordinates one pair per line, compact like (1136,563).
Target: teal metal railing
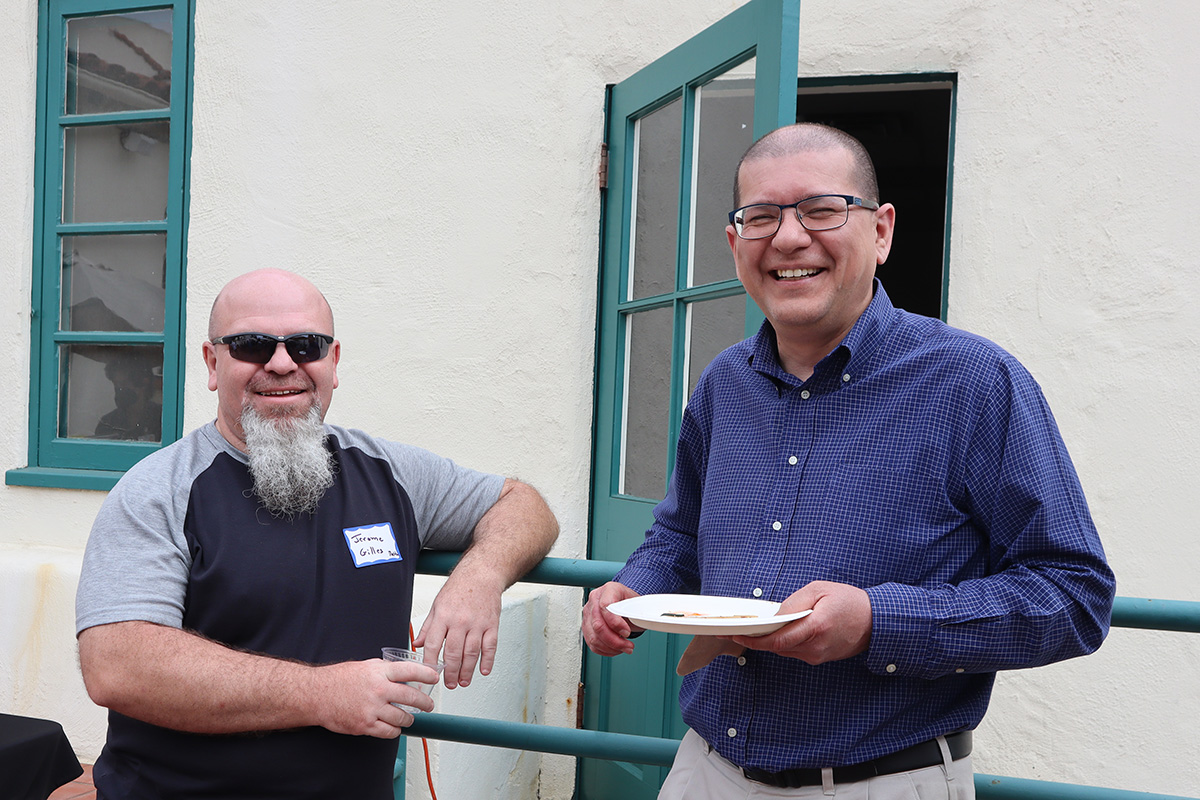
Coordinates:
(1128,612)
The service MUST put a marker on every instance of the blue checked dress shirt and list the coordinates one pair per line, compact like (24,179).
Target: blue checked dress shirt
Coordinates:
(918,462)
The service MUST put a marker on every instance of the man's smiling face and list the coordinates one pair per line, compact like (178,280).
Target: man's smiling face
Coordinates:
(280,304)
(811,285)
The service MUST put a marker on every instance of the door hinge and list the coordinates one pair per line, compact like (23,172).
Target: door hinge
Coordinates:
(579,708)
(603,171)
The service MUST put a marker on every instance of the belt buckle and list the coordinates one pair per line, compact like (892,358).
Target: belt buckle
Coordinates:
(787,779)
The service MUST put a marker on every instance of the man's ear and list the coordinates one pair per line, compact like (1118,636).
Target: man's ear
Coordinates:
(885,224)
(209,351)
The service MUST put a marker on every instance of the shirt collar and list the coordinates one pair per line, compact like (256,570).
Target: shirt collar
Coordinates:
(854,351)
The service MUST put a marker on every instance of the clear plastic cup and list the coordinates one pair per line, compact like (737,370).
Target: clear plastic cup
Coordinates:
(401,654)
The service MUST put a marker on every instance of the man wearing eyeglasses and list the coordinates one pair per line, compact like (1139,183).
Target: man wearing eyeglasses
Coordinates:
(238,585)
(903,480)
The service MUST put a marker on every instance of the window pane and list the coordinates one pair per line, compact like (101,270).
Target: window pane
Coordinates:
(713,326)
(113,283)
(118,62)
(655,239)
(647,403)
(110,392)
(115,173)
(724,131)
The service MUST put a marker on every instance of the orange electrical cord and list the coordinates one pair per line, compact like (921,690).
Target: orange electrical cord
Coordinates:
(424,742)
(428,773)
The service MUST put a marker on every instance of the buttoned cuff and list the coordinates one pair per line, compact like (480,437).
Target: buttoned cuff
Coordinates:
(902,631)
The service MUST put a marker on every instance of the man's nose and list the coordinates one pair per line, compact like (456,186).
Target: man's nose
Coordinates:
(791,234)
(281,361)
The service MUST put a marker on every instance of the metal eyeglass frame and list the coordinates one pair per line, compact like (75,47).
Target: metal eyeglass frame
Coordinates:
(851,202)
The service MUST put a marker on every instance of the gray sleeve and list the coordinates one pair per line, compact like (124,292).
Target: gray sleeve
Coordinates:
(137,560)
(448,499)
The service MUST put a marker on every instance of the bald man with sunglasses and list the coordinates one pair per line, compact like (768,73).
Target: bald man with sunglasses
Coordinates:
(238,585)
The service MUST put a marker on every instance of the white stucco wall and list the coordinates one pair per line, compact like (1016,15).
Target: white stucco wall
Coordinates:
(388,153)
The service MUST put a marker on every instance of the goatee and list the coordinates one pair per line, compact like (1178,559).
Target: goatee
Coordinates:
(289,462)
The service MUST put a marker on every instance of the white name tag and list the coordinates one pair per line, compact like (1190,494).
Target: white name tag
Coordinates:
(372,544)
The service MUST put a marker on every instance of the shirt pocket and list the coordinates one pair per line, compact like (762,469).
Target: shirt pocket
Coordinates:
(882,523)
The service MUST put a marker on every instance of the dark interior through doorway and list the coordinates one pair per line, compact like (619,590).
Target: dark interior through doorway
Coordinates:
(906,127)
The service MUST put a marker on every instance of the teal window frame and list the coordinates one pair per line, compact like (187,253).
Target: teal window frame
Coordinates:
(91,463)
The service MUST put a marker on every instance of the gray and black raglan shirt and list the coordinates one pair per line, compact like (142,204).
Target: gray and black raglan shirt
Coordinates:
(182,541)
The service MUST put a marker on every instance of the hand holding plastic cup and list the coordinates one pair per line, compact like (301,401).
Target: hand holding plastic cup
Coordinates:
(400,654)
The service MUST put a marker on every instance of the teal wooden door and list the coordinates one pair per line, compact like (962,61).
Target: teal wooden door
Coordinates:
(669,302)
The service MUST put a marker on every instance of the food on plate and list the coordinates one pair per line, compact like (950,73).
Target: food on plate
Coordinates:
(697,615)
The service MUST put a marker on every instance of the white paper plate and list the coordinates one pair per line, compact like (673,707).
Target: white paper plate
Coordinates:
(752,617)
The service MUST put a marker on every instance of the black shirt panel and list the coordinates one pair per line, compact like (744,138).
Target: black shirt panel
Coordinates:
(290,588)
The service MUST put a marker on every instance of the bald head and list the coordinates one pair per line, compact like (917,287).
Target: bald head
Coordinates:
(264,293)
(807,137)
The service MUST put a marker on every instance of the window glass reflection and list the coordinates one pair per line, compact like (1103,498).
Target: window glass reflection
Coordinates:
(116,173)
(725,130)
(655,239)
(713,326)
(118,62)
(648,403)
(111,392)
(113,283)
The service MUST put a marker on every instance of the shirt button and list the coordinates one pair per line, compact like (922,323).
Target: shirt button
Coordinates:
(805,394)
(776,525)
(793,461)
(732,732)
(891,667)
(846,378)
(757,592)
(959,671)
(741,661)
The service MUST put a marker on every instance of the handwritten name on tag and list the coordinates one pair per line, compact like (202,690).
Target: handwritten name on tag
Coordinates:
(372,544)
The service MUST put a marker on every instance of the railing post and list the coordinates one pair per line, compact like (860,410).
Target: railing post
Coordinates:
(398,770)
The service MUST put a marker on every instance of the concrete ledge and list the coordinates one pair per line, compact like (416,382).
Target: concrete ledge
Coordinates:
(516,690)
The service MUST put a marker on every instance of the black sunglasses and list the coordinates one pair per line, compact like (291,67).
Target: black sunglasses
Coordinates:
(259,348)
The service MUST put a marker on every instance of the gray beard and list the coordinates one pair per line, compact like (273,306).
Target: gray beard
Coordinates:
(289,462)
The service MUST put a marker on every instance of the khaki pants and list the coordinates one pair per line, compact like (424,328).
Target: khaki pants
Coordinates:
(700,773)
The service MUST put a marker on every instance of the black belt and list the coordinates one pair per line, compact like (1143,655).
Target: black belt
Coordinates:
(919,756)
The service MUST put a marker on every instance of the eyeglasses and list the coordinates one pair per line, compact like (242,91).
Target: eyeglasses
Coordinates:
(823,212)
(259,348)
